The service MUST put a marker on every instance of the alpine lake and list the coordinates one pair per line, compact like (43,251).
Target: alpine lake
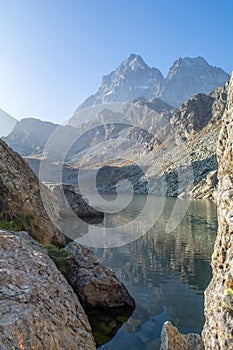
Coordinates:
(166,271)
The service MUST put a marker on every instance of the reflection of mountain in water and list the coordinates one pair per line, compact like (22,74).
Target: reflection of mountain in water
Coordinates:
(170,270)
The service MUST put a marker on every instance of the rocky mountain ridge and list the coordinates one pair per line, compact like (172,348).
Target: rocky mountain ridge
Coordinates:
(133,78)
(140,131)
(152,145)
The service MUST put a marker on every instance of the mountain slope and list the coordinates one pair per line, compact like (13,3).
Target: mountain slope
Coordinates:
(7,123)
(149,141)
(132,79)
(30,135)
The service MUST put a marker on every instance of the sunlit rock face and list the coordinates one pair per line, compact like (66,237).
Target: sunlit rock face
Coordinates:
(218,330)
(39,310)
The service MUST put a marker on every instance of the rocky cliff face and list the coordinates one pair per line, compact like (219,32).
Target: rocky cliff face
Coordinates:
(188,77)
(38,309)
(134,79)
(218,330)
(20,198)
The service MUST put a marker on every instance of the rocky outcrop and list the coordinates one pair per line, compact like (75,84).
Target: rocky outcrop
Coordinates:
(206,188)
(218,329)
(20,198)
(75,201)
(95,284)
(172,339)
(38,309)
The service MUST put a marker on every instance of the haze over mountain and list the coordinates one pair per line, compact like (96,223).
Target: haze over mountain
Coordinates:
(133,78)
(7,123)
(129,116)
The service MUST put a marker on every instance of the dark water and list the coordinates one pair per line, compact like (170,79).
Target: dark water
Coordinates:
(166,273)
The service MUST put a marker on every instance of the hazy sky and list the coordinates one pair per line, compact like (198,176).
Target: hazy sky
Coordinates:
(55,52)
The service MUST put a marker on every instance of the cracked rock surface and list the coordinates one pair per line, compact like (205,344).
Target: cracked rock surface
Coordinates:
(218,330)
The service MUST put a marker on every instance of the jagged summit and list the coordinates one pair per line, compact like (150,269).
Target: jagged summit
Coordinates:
(189,76)
(133,79)
(134,62)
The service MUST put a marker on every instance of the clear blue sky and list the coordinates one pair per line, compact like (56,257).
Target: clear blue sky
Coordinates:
(55,52)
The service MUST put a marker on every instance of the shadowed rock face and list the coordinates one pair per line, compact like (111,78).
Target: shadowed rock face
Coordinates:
(218,330)
(20,198)
(38,309)
(95,284)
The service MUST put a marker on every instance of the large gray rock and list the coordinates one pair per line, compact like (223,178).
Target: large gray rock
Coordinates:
(38,309)
(218,329)
(172,339)
(95,284)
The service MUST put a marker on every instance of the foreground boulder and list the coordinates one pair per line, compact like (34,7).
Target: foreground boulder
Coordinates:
(218,330)
(38,309)
(95,284)
(172,339)
(20,198)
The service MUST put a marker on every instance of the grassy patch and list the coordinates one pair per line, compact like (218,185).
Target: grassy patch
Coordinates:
(10,225)
(61,259)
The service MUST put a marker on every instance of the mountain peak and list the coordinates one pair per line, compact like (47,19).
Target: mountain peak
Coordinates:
(188,63)
(133,62)
(134,57)
(133,79)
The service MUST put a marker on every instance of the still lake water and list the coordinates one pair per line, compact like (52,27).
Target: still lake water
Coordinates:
(166,273)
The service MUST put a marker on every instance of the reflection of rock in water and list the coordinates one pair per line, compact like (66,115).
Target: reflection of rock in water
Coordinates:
(143,322)
(141,331)
(105,324)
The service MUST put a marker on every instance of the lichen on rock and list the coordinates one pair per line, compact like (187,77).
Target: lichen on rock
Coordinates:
(218,330)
